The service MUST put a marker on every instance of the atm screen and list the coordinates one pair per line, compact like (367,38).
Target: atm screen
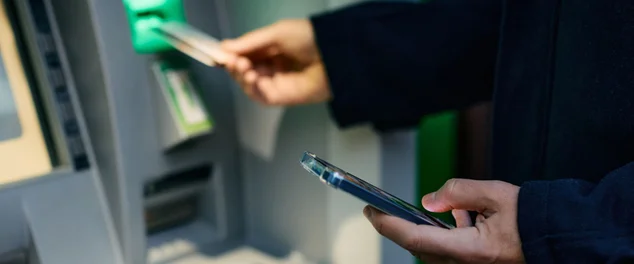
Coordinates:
(24,152)
(9,121)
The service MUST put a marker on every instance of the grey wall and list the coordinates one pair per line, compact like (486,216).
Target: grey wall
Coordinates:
(285,209)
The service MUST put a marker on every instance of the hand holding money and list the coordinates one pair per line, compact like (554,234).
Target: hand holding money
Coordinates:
(275,65)
(279,64)
(194,43)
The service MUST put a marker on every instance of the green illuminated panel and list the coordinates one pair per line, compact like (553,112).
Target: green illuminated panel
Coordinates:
(143,15)
(437,136)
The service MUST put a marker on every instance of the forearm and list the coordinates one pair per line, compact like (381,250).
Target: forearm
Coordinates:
(573,221)
(391,63)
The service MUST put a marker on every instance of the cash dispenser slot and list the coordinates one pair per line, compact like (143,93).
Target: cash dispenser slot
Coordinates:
(150,14)
(14,257)
(26,253)
(173,200)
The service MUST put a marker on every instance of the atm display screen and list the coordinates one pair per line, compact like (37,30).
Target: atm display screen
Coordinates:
(9,121)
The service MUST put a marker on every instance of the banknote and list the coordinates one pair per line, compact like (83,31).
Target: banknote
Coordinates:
(193,42)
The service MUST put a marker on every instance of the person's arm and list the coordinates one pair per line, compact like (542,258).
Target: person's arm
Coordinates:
(573,221)
(390,63)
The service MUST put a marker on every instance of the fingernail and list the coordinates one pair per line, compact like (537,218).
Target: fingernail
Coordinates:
(429,197)
(428,200)
(367,212)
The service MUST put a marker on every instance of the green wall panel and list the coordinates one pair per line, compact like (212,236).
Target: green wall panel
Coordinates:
(436,148)
(436,154)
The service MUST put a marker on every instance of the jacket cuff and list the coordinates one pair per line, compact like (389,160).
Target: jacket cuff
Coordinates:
(344,66)
(532,221)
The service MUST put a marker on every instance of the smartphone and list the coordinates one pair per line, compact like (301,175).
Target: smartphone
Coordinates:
(374,196)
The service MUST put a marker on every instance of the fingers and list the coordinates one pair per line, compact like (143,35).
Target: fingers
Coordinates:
(269,93)
(462,194)
(237,66)
(272,73)
(240,66)
(242,72)
(243,65)
(463,219)
(422,239)
(249,67)
(255,80)
(259,39)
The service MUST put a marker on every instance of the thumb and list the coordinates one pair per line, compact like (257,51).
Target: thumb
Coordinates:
(461,194)
(252,41)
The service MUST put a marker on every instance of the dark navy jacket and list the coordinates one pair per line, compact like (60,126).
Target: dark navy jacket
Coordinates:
(561,77)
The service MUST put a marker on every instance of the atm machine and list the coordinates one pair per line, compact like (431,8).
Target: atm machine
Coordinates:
(53,203)
(135,176)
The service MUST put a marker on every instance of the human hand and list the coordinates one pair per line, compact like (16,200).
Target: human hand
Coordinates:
(493,238)
(279,64)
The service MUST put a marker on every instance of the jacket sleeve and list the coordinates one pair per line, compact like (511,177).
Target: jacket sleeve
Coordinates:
(390,63)
(573,221)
